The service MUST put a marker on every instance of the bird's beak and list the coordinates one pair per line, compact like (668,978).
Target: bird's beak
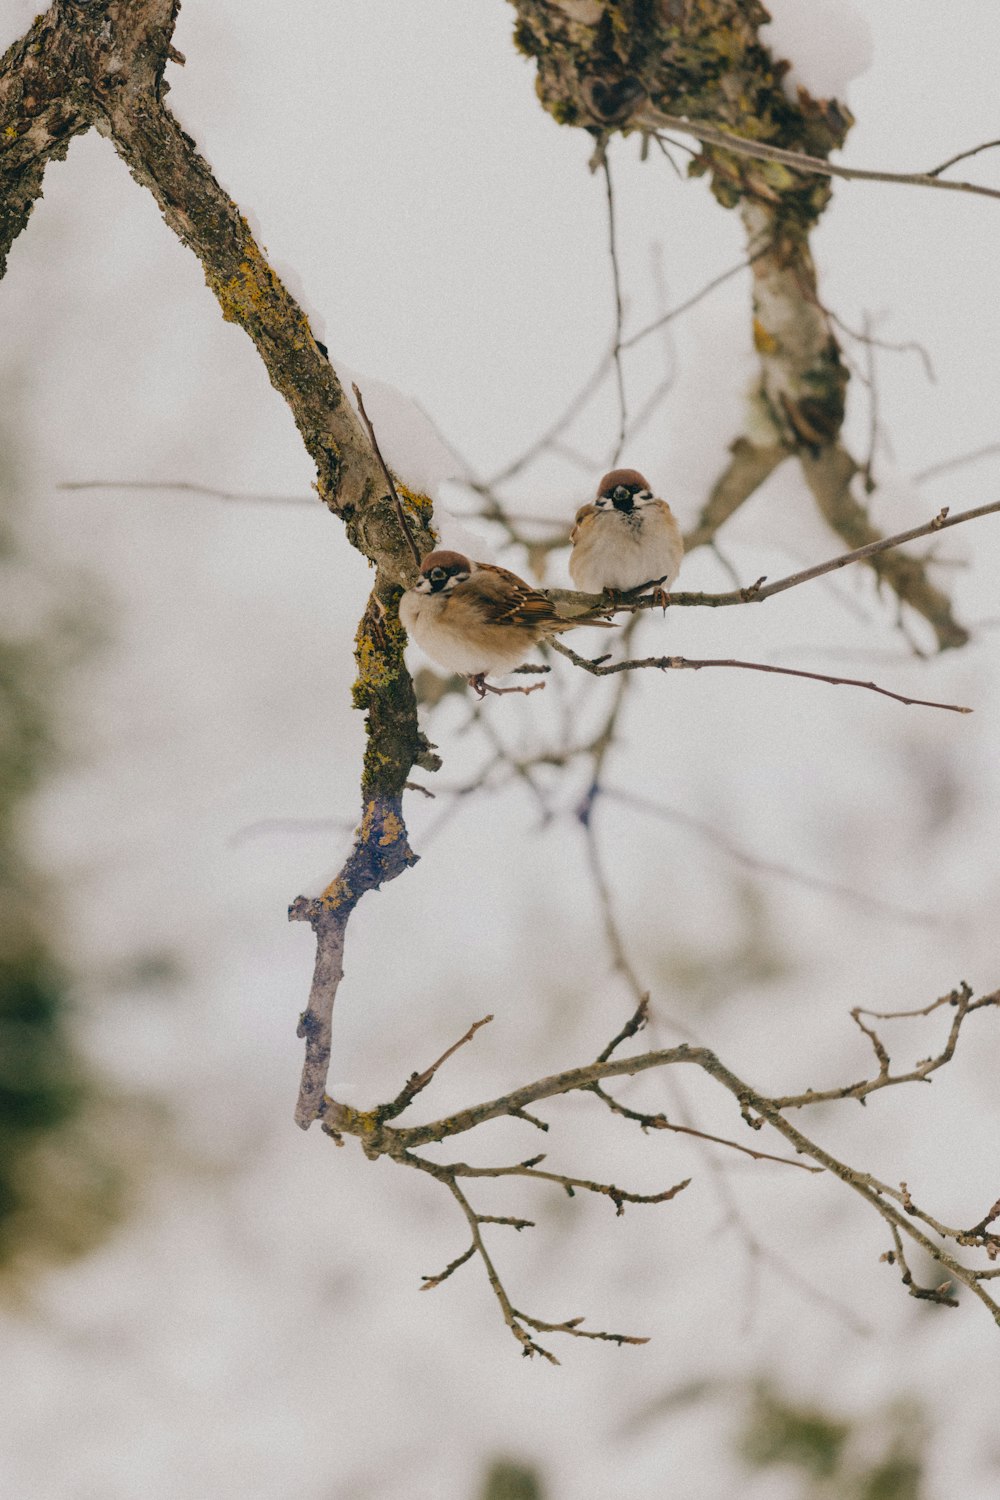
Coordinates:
(622,500)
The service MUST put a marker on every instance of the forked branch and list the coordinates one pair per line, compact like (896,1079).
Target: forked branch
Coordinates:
(895,1205)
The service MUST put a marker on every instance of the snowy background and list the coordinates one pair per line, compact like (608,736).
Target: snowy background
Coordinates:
(254,1327)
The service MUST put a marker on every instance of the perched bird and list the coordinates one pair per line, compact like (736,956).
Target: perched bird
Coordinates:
(476,619)
(625,538)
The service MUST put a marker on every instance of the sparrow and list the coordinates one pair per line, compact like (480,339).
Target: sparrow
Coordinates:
(475,619)
(625,538)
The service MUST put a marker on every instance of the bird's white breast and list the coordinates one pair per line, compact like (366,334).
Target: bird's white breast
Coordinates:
(454,639)
(623,551)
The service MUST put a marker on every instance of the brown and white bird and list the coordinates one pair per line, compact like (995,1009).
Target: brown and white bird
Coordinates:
(476,619)
(625,538)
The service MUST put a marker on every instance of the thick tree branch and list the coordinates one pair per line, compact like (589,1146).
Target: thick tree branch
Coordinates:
(39,116)
(101,62)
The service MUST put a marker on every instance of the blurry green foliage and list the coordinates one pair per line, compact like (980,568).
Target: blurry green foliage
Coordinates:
(835,1455)
(54,1191)
(507,1479)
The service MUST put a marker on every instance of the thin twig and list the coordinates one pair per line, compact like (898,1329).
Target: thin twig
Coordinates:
(760,589)
(419,1081)
(571,1185)
(802,162)
(692,301)
(939,1294)
(962,156)
(179,486)
(894,1205)
(430,1282)
(941,522)
(572,409)
(660,1122)
(948,465)
(864,900)
(404,523)
(892,346)
(598,667)
(616,351)
(960,999)
(634,1024)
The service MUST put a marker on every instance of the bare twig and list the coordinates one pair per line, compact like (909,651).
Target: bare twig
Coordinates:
(401,514)
(598,667)
(635,1023)
(894,1205)
(798,160)
(660,1122)
(517,1321)
(419,1081)
(430,1282)
(693,300)
(948,465)
(962,156)
(865,900)
(939,1294)
(892,346)
(616,351)
(963,1003)
(206,491)
(757,592)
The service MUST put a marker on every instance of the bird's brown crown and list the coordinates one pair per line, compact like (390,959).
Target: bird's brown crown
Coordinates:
(449,561)
(630,477)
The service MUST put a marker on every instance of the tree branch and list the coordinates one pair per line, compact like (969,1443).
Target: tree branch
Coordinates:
(600,667)
(818,166)
(894,1205)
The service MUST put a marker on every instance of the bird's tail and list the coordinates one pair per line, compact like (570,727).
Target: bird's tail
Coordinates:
(559,626)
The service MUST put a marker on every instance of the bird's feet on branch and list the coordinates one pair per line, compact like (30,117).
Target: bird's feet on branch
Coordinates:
(630,598)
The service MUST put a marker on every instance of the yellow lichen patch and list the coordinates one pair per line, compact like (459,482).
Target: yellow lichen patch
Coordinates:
(725,43)
(253,290)
(420,503)
(359,1122)
(337,893)
(378,651)
(392,829)
(11,132)
(764,342)
(367,818)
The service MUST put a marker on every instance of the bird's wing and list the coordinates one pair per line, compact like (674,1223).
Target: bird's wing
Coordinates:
(585,510)
(667,516)
(504,599)
(501,598)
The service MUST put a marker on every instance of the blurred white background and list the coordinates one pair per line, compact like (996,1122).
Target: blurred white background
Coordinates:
(253,1326)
